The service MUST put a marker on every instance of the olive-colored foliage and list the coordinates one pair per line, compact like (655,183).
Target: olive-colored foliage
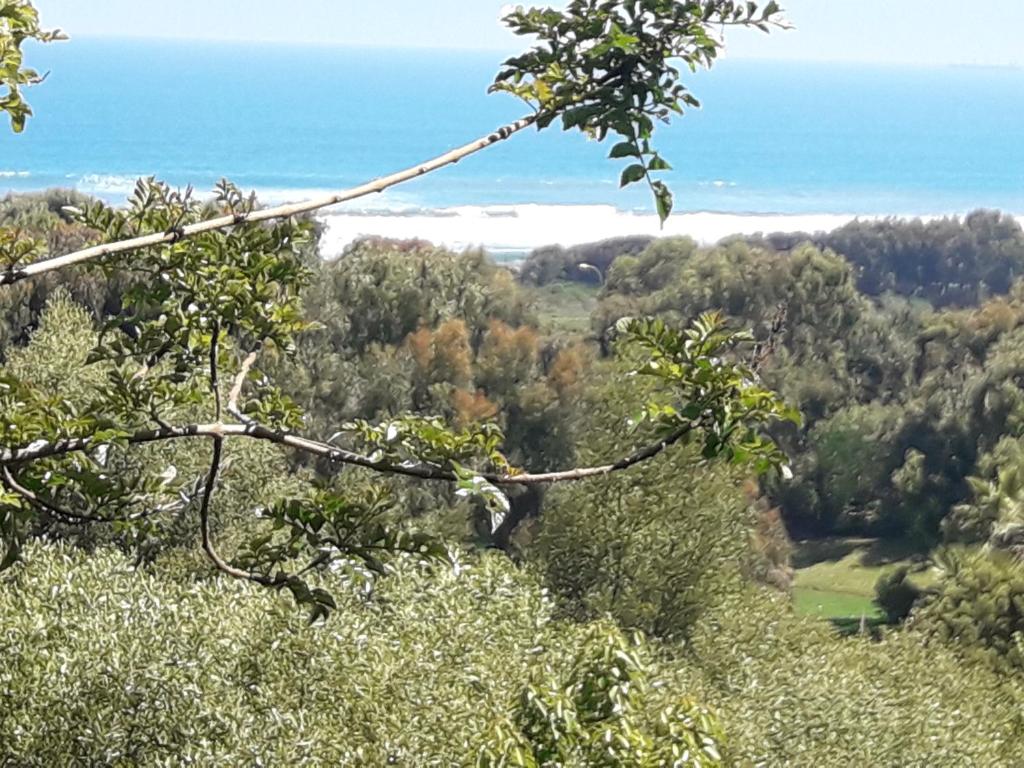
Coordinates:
(650,554)
(599,714)
(653,557)
(19,22)
(995,511)
(978,607)
(54,358)
(41,220)
(108,665)
(791,692)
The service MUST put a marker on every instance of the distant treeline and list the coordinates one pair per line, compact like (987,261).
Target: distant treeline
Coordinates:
(902,343)
(950,261)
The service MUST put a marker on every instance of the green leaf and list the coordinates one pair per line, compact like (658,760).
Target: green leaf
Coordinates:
(663,201)
(658,164)
(623,149)
(632,174)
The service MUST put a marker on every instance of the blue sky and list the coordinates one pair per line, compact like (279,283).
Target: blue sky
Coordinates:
(909,31)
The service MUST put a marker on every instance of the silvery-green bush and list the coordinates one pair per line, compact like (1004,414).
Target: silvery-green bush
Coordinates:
(105,664)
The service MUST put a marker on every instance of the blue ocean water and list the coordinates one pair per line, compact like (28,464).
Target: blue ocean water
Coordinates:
(792,138)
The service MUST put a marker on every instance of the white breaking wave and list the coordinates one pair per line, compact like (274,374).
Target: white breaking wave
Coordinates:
(106,184)
(14,174)
(525,227)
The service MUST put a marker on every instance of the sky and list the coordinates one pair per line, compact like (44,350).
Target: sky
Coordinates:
(927,32)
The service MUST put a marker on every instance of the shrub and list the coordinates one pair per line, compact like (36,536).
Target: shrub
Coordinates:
(106,665)
(791,692)
(978,607)
(895,595)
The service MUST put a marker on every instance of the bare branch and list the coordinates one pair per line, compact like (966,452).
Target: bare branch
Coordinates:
(340,456)
(236,389)
(28,271)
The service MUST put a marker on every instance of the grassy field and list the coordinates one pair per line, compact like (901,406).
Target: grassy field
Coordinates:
(833,604)
(565,308)
(835,578)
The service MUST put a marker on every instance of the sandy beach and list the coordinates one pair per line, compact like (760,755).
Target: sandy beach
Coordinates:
(520,228)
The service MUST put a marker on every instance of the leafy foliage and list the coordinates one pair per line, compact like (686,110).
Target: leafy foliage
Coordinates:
(19,22)
(950,261)
(715,398)
(98,655)
(978,607)
(789,691)
(902,403)
(654,557)
(596,717)
(606,67)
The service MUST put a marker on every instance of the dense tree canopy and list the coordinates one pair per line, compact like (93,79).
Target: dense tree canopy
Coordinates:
(210,287)
(189,393)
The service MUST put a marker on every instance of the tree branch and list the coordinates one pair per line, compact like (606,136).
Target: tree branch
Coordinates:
(236,389)
(214,380)
(211,477)
(28,271)
(42,450)
(69,517)
(204,523)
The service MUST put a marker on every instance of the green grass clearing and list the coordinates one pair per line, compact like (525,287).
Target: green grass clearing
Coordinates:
(565,307)
(835,578)
(833,605)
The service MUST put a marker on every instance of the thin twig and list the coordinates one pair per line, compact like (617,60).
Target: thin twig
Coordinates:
(266,214)
(339,455)
(71,518)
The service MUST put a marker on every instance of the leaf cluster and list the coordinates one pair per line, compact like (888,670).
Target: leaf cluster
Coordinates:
(597,715)
(713,395)
(607,67)
(19,21)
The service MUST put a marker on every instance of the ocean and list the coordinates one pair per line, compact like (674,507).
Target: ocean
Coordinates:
(777,145)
